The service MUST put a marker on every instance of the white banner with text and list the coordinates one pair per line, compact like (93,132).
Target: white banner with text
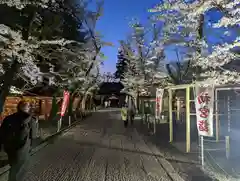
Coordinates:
(204,102)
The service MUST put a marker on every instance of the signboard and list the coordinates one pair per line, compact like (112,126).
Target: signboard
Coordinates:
(159,96)
(66,96)
(204,110)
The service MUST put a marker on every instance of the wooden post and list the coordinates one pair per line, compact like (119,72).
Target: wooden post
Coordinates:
(90,103)
(170,115)
(69,121)
(45,109)
(59,126)
(188,131)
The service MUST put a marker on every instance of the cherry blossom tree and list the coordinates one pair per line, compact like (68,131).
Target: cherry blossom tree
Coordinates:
(144,56)
(37,44)
(145,60)
(190,20)
(21,43)
(80,74)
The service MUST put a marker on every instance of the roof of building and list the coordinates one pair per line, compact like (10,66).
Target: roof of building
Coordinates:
(110,88)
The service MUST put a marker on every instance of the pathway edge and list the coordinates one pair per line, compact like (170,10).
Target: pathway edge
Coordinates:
(43,144)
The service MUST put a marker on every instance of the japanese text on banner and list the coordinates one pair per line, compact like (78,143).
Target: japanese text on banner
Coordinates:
(204,110)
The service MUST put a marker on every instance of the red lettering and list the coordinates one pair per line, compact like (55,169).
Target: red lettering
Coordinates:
(204,112)
(203,98)
(203,125)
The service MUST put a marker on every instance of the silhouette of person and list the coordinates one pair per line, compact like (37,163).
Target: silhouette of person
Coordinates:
(16,139)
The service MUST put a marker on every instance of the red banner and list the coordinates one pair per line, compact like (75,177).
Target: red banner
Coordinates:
(66,96)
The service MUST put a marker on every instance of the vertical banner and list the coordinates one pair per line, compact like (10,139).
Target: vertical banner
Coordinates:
(158,109)
(204,110)
(66,96)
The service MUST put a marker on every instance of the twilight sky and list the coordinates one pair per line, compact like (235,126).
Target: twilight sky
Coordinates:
(113,25)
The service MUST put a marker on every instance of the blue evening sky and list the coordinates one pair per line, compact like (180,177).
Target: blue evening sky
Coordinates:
(113,25)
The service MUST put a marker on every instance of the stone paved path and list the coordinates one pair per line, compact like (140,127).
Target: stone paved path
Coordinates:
(99,149)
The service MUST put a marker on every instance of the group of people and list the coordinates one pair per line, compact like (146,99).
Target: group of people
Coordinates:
(107,104)
(16,139)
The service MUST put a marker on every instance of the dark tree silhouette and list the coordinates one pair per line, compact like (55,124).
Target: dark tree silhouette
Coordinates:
(121,65)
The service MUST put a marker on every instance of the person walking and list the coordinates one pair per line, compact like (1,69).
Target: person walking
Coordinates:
(106,104)
(124,115)
(16,138)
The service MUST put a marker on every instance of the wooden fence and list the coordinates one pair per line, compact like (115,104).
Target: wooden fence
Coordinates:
(41,105)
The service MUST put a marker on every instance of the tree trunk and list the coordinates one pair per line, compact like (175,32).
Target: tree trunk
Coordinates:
(83,103)
(137,102)
(90,102)
(54,109)
(200,37)
(72,98)
(70,105)
(7,82)
(78,107)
